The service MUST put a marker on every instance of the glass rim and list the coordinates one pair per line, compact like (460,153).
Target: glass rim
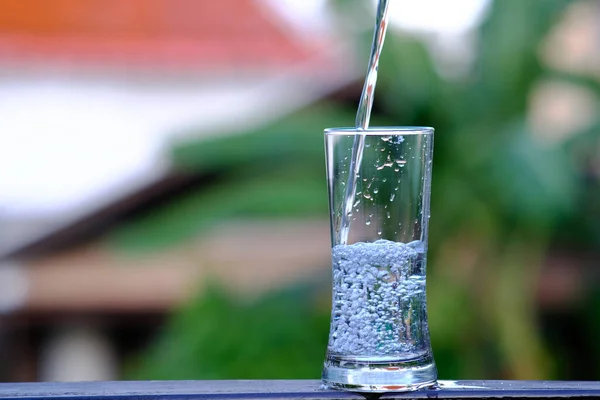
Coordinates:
(381,130)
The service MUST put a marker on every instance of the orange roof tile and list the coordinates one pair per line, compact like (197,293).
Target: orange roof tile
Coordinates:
(200,34)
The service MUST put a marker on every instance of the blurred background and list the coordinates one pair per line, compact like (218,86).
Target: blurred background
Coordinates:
(163,207)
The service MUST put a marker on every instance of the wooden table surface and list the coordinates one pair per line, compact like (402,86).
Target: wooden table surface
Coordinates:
(288,389)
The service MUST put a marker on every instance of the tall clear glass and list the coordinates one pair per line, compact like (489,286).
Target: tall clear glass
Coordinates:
(379,337)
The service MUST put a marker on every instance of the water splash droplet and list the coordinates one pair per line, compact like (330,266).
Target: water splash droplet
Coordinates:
(376,190)
(388,215)
(379,232)
(368,222)
(384,180)
(388,163)
(392,196)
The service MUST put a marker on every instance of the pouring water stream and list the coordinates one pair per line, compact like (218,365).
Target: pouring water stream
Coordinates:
(363,115)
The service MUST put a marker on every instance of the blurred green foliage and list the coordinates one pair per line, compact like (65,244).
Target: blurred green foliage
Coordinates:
(218,336)
(278,170)
(502,199)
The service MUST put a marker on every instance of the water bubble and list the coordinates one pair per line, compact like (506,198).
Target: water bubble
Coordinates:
(388,215)
(388,163)
(376,190)
(370,300)
(384,180)
(379,232)
(367,195)
(356,203)
(392,196)
(396,169)
(368,222)
(401,163)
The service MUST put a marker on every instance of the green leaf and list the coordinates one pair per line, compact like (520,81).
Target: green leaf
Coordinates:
(279,336)
(507,63)
(295,137)
(408,84)
(290,191)
(531,182)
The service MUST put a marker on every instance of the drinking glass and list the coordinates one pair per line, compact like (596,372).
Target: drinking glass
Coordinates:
(379,337)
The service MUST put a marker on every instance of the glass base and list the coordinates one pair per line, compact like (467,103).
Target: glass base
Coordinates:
(379,375)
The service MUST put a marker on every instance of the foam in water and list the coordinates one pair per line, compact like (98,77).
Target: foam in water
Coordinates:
(378,300)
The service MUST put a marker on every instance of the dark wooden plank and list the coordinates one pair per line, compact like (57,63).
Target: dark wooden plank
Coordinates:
(281,389)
